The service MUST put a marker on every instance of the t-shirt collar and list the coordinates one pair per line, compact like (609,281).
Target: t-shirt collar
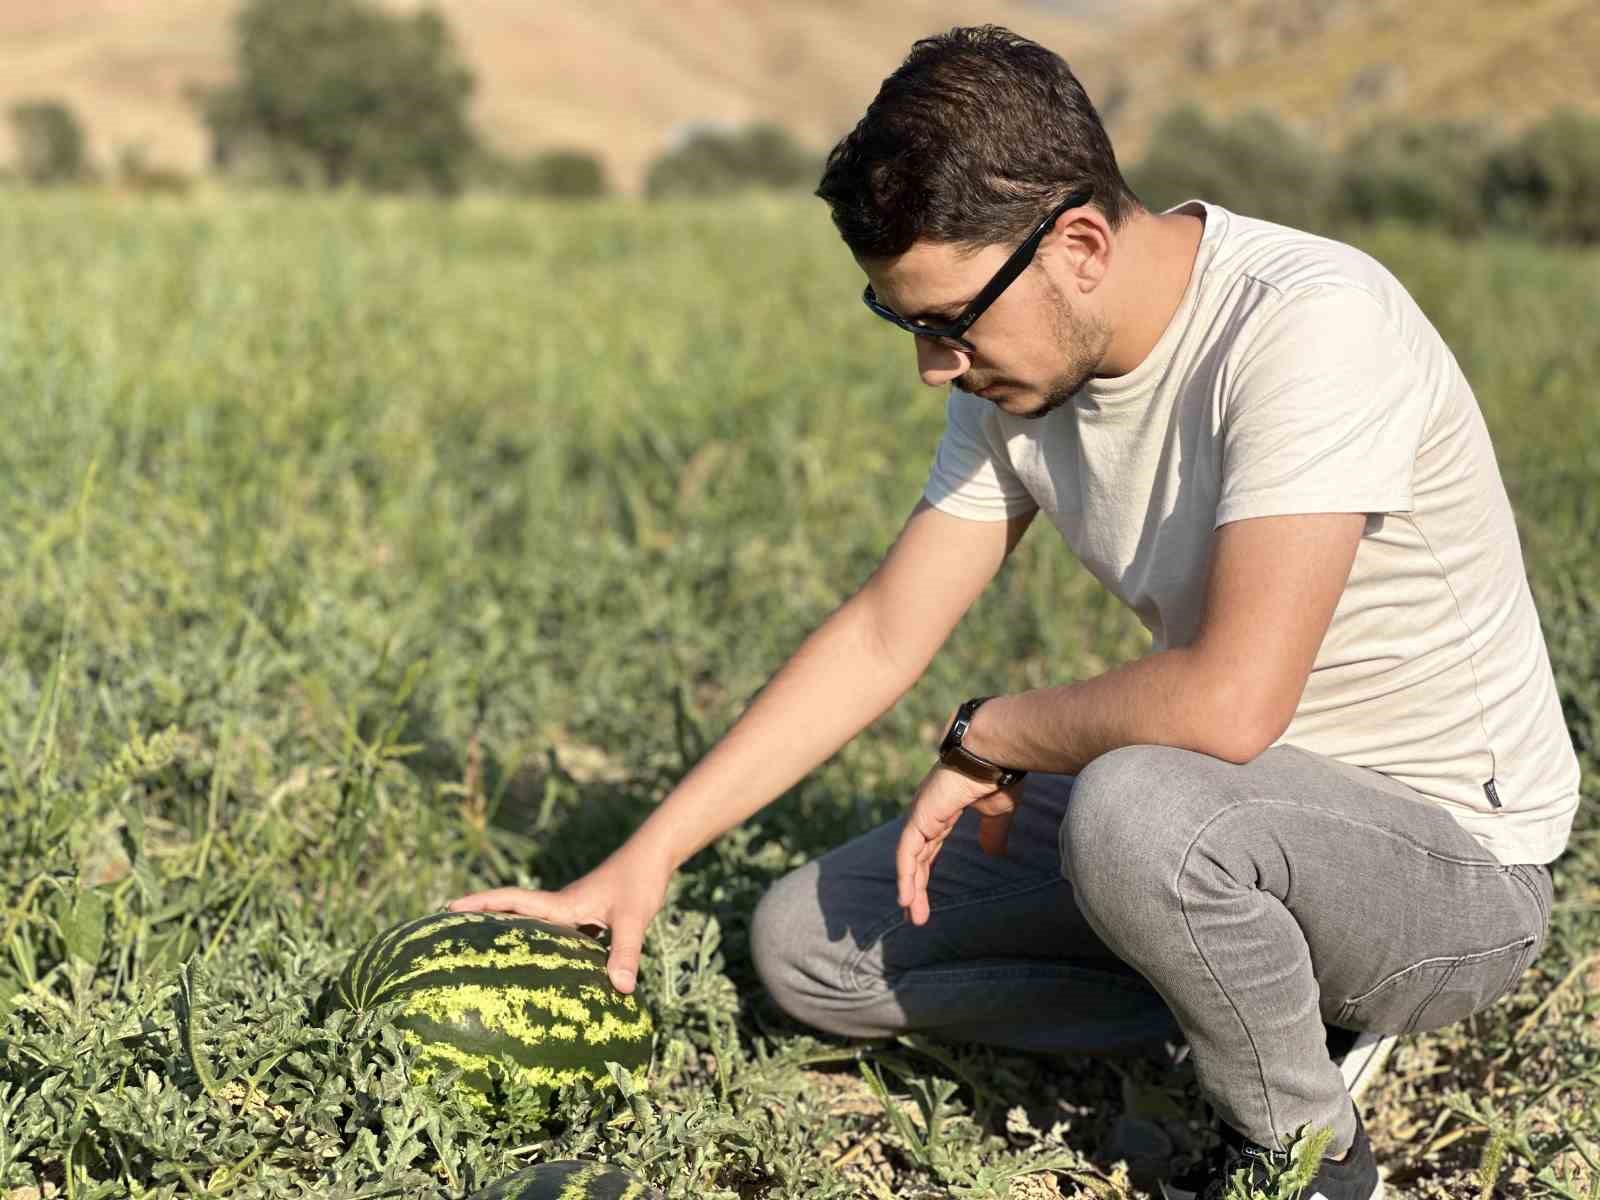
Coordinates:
(1098,393)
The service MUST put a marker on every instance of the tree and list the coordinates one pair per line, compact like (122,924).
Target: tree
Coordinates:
(339,91)
(49,142)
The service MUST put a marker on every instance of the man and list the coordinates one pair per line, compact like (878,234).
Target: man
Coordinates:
(1321,801)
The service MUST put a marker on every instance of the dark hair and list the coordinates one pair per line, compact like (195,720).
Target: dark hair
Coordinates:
(972,140)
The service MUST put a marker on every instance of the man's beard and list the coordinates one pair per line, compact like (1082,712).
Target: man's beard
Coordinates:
(1081,342)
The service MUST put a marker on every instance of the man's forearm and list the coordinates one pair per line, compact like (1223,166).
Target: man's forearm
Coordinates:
(838,682)
(1164,699)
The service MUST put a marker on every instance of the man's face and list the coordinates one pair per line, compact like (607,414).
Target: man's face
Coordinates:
(1033,351)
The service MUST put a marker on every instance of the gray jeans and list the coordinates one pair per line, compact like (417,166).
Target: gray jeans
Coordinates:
(1162,894)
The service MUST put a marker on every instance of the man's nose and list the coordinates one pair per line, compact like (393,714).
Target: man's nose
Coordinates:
(939,364)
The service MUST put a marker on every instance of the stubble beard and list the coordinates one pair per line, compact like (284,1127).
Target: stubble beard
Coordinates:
(1082,342)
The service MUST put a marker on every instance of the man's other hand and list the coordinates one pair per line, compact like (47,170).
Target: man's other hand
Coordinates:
(941,798)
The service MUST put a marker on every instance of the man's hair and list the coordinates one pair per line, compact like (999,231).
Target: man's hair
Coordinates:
(977,135)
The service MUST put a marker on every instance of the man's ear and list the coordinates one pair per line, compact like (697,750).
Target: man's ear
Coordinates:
(1081,245)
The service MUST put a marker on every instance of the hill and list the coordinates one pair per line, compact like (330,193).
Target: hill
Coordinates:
(620,77)
(624,77)
(1332,66)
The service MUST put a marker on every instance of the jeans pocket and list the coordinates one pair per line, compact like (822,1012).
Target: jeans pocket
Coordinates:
(1439,991)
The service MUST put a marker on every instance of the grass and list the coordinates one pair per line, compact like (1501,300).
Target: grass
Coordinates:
(354,555)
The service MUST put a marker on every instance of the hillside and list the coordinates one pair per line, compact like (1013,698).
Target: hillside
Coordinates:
(622,77)
(1332,66)
(616,76)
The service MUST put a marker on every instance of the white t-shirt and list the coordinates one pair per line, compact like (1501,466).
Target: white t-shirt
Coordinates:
(1297,376)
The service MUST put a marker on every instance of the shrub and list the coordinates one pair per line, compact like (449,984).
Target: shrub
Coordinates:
(136,173)
(1250,163)
(1430,173)
(339,91)
(49,142)
(563,174)
(1548,181)
(711,160)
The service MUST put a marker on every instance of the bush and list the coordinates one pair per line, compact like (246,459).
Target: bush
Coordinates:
(1250,163)
(1430,173)
(339,91)
(562,174)
(1548,181)
(49,142)
(710,161)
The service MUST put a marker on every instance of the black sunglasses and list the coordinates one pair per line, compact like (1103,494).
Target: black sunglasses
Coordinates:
(951,335)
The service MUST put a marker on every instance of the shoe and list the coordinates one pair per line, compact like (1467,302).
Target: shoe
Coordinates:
(1356,1178)
(1359,1056)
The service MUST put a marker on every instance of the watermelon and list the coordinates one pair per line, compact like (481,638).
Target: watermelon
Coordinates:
(502,997)
(569,1179)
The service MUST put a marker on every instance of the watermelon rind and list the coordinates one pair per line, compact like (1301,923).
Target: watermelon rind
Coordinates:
(569,1179)
(504,999)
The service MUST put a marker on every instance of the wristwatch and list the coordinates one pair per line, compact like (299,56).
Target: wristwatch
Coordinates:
(956,756)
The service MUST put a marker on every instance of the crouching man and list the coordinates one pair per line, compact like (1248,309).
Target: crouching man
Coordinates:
(1320,806)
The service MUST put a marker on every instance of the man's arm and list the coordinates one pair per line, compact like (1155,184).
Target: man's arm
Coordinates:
(845,675)
(1271,590)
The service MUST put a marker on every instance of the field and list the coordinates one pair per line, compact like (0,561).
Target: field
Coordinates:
(354,555)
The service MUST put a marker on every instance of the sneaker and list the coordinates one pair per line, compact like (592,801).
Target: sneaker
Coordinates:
(1359,1056)
(1356,1178)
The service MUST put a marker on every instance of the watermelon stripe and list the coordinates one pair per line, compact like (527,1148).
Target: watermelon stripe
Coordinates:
(437,1057)
(515,1010)
(502,959)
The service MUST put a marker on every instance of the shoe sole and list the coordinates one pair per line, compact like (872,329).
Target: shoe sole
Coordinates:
(1365,1062)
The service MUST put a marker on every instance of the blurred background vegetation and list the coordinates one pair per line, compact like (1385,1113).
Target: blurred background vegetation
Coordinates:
(342,93)
(400,501)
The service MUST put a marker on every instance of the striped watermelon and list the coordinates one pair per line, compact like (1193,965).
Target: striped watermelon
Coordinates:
(499,996)
(569,1179)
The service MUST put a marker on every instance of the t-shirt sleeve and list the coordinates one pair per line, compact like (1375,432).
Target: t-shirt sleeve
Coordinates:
(971,476)
(1325,414)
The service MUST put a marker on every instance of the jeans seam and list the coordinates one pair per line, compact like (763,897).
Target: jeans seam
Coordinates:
(1188,925)
(1455,960)
(1517,872)
(1444,977)
(850,973)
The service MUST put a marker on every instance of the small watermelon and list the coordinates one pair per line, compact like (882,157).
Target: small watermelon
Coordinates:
(499,996)
(569,1179)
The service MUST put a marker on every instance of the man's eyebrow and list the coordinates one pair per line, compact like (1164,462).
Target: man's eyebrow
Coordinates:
(941,311)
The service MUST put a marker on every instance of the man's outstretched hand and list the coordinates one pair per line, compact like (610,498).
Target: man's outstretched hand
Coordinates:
(941,798)
(622,894)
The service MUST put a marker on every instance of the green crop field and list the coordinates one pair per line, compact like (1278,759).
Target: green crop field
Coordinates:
(357,554)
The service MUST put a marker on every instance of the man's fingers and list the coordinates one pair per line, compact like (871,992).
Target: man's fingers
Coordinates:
(627,940)
(905,861)
(992,831)
(546,906)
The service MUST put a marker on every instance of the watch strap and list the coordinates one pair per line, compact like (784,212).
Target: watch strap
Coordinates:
(956,756)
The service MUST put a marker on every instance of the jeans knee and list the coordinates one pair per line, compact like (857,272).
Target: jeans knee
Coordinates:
(810,975)
(792,955)
(778,917)
(1119,837)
